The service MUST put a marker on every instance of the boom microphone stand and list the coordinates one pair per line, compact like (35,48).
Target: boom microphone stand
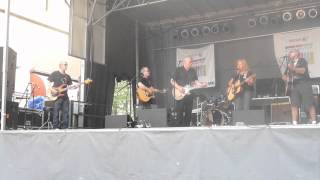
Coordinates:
(26,97)
(275,83)
(129,84)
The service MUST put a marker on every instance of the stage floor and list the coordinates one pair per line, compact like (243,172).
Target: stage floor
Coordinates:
(199,153)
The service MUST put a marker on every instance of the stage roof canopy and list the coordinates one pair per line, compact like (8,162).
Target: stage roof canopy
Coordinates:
(155,12)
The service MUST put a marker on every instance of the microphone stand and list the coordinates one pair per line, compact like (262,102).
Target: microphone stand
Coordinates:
(26,97)
(275,80)
(130,100)
(33,86)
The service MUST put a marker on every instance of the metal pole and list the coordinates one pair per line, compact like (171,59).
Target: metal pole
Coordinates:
(137,48)
(4,68)
(137,62)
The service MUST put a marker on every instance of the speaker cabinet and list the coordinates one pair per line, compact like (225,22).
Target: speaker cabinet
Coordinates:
(12,115)
(117,121)
(157,117)
(280,113)
(11,75)
(249,117)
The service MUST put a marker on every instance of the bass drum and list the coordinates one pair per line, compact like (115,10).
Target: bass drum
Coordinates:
(215,117)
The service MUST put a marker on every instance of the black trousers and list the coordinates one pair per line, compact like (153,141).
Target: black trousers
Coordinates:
(184,111)
(61,104)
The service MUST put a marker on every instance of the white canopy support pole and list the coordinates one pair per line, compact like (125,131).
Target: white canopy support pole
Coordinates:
(4,67)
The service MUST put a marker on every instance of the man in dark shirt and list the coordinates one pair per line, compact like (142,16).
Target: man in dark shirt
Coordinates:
(183,76)
(297,76)
(146,87)
(61,79)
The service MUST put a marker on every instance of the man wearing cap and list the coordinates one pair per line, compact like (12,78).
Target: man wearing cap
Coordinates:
(60,78)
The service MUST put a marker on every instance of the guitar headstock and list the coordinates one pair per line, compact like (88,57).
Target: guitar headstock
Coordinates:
(88,81)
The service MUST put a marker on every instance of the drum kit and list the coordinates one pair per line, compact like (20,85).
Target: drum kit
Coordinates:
(215,111)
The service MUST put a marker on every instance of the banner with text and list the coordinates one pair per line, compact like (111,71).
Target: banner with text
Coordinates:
(306,41)
(203,62)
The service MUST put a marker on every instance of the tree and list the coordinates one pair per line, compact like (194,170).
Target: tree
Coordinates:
(121,99)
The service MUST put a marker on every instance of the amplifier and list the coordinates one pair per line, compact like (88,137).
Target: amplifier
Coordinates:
(280,113)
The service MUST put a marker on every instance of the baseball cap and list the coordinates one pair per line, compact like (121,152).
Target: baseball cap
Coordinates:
(63,62)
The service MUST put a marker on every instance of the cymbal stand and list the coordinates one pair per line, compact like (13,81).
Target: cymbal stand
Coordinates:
(48,123)
(199,105)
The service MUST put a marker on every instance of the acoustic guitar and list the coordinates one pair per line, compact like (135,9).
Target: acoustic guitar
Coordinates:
(145,96)
(55,92)
(237,87)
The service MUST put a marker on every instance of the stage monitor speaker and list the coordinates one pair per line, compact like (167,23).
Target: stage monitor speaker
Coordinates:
(157,117)
(117,121)
(249,117)
(280,113)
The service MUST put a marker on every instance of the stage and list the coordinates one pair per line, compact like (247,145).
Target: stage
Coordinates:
(198,153)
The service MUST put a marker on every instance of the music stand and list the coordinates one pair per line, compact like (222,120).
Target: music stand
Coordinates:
(48,107)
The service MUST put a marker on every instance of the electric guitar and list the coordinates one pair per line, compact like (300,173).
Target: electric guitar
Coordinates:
(146,96)
(178,95)
(237,87)
(55,92)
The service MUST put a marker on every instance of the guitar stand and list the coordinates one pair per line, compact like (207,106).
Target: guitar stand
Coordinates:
(48,123)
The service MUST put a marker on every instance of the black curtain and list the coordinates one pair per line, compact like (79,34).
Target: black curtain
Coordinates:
(119,65)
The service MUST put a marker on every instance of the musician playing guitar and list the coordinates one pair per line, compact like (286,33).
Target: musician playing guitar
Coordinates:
(61,78)
(145,90)
(241,86)
(185,75)
(298,84)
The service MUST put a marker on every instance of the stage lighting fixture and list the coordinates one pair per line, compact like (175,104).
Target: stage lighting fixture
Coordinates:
(300,14)
(264,20)
(252,22)
(184,34)
(226,27)
(205,30)
(312,13)
(215,28)
(195,32)
(287,16)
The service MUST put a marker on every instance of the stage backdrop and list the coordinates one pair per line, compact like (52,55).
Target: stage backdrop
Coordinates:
(203,62)
(306,41)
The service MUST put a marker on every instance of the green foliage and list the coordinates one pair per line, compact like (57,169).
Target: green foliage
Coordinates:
(121,99)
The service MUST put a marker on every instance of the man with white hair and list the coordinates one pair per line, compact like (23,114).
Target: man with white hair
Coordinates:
(60,80)
(183,76)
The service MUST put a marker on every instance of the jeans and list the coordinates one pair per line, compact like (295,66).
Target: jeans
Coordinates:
(61,104)
(242,102)
(184,111)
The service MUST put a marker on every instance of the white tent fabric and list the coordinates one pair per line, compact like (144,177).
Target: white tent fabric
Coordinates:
(226,153)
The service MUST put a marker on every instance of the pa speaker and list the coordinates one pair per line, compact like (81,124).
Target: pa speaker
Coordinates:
(117,121)
(157,117)
(249,117)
